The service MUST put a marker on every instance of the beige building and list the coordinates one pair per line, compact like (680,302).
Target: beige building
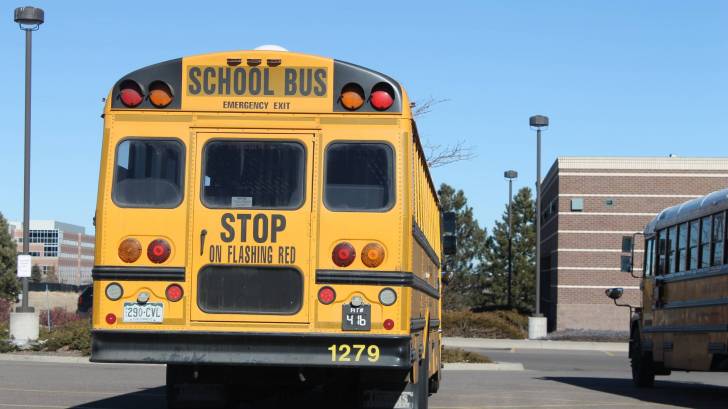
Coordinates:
(60,249)
(591,208)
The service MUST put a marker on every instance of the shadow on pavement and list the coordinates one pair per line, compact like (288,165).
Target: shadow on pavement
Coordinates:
(147,398)
(679,394)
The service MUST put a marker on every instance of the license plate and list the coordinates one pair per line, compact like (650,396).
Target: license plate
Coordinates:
(149,312)
(356,318)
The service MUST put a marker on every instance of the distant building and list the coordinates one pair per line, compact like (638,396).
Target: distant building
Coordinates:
(591,207)
(60,249)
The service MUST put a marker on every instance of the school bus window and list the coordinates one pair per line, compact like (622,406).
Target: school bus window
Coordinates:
(649,257)
(661,252)
(671,247)
(705,232)
(359,176)
(694,240)
(238,174)
(718,227)
(682,246)
(149,173)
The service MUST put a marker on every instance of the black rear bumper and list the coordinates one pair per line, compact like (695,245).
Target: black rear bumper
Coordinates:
(215,348)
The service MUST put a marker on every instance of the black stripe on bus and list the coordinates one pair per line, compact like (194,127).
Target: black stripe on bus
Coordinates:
(420,238)
(138,273)
(685,328)
(696,303)
(694,274)
(395,278)
(417,324)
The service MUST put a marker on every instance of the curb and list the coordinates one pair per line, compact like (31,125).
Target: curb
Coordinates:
(535,344)
(44,358)
(498,366)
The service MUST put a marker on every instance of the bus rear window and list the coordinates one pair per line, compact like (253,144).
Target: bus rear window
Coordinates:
(359,177)
(247,174)
(149,173)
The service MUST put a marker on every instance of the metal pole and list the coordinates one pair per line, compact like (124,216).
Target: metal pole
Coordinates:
(26,172)
(538,222)
(510,242)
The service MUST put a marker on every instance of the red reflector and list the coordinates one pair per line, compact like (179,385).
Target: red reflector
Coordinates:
(388,324)
(158,251)
(326,295)
(382,96)
(110,319)
(131,93)
(344,254)
(174,292)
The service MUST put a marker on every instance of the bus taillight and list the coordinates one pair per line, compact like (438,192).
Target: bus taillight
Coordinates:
(174,292)
(326,295)
(382,96)
(343,254)
(160,94)
(131,94)
(158,251)
(352,96)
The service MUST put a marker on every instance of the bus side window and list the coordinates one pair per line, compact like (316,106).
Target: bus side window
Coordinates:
(671,249)
(682,245)
(661,252)
(694,241)
(705,233)
(718,229)
(649,257)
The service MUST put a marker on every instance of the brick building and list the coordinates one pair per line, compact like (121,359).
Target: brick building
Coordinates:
(61,249)
(591,207)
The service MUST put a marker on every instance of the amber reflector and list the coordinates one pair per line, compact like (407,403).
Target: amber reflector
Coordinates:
(130,250)
(372,255)
(352,96)
(160,94)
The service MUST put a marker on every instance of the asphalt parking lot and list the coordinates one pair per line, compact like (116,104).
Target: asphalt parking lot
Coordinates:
(551,379)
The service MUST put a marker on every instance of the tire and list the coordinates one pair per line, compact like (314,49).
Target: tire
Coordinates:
(643,368)
(422,387)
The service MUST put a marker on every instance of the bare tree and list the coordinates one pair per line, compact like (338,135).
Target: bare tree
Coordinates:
(437,154)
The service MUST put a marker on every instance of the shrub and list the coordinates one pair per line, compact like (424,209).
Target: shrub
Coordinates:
(454,355)
(5,307)
(73,335)
(5,344)
(59,317)
(590,335)
(496,324)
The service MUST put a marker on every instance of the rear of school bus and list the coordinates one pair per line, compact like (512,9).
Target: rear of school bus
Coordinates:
(266,217)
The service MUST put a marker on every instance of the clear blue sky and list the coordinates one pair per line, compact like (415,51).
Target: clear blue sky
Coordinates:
(616,78)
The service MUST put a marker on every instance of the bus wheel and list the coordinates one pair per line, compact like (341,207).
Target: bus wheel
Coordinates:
(643,369)
(422,387)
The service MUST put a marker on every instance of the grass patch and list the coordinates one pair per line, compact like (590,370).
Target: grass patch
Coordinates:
(502,324)
(457,355)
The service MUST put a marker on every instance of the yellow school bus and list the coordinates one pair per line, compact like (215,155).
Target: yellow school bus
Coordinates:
(681,324)
(267,218)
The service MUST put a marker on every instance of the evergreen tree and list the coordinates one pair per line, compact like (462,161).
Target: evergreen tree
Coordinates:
(35,274)
(471,241)
(9,286)
(523,253)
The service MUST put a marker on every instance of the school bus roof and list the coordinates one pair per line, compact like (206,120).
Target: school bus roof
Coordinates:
(256,81)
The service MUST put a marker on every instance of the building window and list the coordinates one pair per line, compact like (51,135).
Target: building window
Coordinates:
(705,233)
(682,247)
(577,204)
(626,244)
(609,202)
(626,262)
(718,229)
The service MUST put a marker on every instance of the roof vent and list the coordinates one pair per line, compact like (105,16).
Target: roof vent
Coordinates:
(270,47)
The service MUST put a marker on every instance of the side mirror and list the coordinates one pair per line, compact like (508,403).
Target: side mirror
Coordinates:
(447,277)
(449,245)
(614,293)
(448,223)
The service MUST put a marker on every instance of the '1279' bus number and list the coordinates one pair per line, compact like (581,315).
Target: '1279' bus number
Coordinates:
(349,353)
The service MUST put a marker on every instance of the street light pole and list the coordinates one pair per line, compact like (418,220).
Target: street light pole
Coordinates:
(510,175)
(538,122)
(29,19)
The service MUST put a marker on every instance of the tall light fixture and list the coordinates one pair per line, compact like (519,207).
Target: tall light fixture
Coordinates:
(510,175)
(538,122)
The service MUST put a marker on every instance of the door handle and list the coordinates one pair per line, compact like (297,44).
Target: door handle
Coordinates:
(203,234)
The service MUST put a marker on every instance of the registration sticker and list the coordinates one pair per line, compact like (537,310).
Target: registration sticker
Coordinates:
(149,312)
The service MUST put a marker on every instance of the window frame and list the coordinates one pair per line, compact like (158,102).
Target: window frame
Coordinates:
(713,239)
(658,247)
(393,167)
(649,258)
(690,246)
(683,263)
(183,170)
(702,263)
(672,249)
(304,174)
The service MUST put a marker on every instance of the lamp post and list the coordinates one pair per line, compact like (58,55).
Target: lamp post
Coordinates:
(538,122)
(510,175)
(29,19)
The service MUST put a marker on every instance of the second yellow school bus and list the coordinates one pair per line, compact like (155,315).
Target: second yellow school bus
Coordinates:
(266,218)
